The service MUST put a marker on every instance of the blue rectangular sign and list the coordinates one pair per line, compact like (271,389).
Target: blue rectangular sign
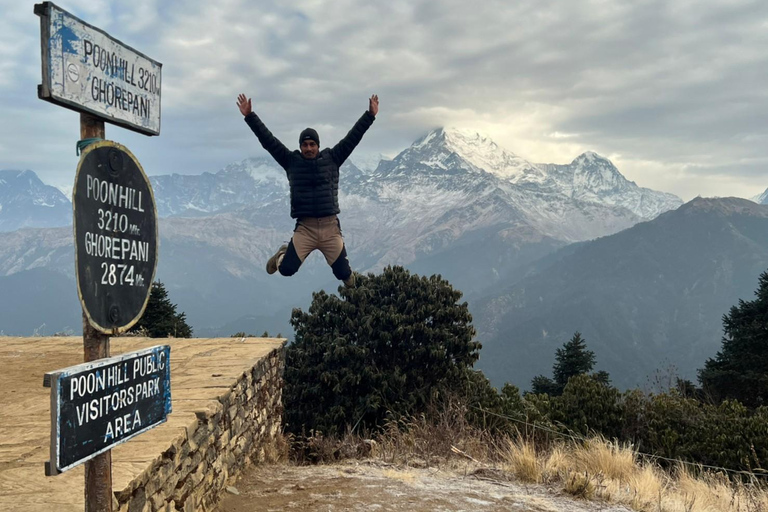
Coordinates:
(100,404)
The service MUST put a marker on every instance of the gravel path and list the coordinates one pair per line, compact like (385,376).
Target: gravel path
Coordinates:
(373,485)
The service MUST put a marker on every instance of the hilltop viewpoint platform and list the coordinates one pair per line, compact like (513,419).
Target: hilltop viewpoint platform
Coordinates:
(227,408)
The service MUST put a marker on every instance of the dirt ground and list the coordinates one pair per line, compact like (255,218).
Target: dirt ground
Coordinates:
(374,485)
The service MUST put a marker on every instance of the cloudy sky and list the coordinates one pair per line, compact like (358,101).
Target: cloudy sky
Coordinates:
(674,92)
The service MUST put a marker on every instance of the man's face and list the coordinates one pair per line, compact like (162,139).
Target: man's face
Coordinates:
(309,148)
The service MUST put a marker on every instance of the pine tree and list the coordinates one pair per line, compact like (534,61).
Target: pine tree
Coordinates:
(160,318)
(573,359)
(570,360)
(543,385)
(740,369)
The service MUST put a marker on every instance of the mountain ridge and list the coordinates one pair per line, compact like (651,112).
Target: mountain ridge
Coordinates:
(444,152)
(652,293)
(761,198)
(27,202)
(436,215)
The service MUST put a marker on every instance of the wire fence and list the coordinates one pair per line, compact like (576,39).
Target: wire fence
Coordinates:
(576,437)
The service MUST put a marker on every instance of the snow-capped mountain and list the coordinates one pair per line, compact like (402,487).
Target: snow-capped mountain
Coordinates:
(446,169)
(454,148)
(593,178)
(367,161)
(448,194)
(27,202)
(761,198)
(252,181)
(447,188)
(480,184)
(453,203)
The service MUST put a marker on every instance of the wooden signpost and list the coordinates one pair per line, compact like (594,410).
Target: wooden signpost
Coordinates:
(116,242)
(97,405)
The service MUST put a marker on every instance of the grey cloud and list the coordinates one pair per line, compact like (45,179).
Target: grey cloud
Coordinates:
(675,82)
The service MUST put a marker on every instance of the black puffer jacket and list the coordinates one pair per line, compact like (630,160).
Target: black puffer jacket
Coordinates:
(314,183)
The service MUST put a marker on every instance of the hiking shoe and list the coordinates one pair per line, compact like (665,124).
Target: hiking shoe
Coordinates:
(350,281)
(275,260)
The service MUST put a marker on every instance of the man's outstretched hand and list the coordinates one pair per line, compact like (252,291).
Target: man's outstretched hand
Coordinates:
(373,105)
(244,104)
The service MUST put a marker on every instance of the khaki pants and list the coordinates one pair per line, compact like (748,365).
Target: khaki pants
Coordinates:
(323,234)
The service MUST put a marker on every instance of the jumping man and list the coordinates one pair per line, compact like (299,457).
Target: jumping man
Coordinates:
(313,176)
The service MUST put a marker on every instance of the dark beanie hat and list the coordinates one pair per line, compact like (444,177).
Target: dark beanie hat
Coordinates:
(309,134)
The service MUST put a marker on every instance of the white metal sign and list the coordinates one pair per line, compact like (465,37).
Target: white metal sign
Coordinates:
(87,70)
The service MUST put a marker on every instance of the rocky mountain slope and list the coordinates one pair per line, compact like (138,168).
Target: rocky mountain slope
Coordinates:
(761,198)
(26,202)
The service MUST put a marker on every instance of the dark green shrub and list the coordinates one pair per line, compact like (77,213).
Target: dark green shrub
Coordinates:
(588,406)
(391,344)
(670,425)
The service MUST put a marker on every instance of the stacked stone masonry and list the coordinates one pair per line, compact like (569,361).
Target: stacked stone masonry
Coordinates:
(195,470)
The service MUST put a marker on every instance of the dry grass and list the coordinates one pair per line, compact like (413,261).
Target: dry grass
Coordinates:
(521,460)
(716,492)
(596,469)
(427,441)
(582,485)
(643,488)
(610,472)
(613,460)
(279,450)
(317,448)
(423,441)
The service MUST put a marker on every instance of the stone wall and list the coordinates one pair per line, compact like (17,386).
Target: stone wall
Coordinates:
(229,434)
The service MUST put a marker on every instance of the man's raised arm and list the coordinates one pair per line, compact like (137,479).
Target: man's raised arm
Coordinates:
(277,149)
(341,151)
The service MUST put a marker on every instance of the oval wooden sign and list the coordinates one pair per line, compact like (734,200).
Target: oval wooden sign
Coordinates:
(116,238)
